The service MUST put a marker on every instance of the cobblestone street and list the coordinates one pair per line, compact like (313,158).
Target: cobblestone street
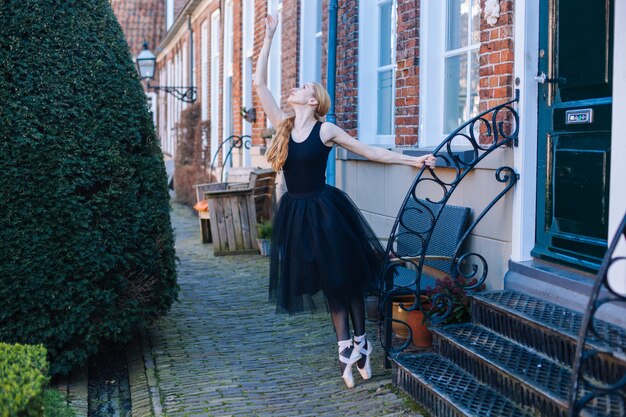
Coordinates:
(222,351)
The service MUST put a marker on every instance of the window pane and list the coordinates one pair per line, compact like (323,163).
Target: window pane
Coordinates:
(458,23)
(473,104)
(318,60)
(385,106)
(475,21)
(384,46)
(455,92)
(318,10)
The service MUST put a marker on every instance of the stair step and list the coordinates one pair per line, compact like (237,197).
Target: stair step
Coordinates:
(550,329)
(522,375)
(446,390)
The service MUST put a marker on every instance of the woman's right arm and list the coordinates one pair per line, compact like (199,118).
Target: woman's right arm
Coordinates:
(270,107)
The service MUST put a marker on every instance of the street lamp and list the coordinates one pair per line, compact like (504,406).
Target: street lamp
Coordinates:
(146,61)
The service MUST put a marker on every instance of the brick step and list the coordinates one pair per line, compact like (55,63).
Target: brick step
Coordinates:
(446,390)
(551,330)
(520,374)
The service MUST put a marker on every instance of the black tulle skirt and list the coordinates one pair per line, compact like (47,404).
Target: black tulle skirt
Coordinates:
(321,241)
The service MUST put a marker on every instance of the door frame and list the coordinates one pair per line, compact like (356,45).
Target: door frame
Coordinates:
(526,63)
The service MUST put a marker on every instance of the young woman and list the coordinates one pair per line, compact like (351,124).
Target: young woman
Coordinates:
(320,240)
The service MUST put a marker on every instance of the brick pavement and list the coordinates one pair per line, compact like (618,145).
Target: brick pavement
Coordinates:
(222,351)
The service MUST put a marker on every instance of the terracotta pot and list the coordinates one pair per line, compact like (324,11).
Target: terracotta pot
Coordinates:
(371,307)
(422,337)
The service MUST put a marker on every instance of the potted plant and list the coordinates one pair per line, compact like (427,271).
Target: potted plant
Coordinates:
(417,320)
(371,302)
(267,134)
(249,115)
(453,292)
(264,235)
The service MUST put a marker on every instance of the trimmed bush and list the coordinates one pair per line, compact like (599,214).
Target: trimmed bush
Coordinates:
(86,244)
(22,380)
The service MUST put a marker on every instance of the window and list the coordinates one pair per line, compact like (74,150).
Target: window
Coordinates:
(169,14)
(227,113)
(204,80)
(376,105)
(449,76)
(311,41)
(215,79)
(274,69)
(204,70)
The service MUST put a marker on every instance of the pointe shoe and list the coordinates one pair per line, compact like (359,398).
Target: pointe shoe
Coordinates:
(360,341)
(354,356)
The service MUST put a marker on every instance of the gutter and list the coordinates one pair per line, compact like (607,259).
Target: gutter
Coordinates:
(331,73)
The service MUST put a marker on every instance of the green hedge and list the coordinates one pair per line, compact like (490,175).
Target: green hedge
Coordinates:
(86,244)
(22,380)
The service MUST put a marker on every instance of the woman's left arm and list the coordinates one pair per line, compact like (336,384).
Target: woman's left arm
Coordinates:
(332,132)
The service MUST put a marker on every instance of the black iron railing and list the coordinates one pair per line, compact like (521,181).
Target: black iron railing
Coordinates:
(409,245)
(585,388)
(234,142)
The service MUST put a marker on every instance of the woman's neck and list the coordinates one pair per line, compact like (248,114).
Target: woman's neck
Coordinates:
(305,117)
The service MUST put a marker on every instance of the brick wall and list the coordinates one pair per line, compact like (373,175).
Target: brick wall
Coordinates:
(496,58)
(260,11)
(347,63)
(407,72)
(290,48)
(141,20)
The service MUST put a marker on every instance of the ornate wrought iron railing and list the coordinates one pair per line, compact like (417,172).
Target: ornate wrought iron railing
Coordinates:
(409,245)
(584,388)
(234,142)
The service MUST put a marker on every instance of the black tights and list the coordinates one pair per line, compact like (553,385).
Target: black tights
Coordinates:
(340,309)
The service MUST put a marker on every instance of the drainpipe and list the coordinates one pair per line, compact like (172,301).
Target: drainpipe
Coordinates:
(331,68)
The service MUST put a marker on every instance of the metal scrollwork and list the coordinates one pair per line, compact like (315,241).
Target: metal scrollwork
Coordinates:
(235,142)
(585,388)
(409,240)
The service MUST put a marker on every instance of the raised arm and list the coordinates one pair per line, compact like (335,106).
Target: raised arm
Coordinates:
(270,107)
(335,134)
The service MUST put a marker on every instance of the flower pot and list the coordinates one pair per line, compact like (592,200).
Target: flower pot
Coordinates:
(371,307)
(264,246)
(422,337)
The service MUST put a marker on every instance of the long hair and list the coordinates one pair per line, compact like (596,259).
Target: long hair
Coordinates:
(277,153)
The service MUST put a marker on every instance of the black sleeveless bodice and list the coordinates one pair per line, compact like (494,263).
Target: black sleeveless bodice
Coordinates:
(305,167)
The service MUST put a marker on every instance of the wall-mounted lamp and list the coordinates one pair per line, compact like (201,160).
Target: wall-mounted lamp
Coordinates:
(146,61)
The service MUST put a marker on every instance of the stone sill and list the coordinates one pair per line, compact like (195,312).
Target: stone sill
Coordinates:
(499,157)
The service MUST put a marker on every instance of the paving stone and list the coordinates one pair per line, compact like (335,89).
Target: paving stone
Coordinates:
(222,351)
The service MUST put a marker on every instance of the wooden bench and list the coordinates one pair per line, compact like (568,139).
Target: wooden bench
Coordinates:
(234,213)
(235,178)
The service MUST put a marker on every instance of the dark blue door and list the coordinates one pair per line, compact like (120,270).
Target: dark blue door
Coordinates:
(574,130)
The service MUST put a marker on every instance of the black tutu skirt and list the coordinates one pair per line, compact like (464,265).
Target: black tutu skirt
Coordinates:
(321,241)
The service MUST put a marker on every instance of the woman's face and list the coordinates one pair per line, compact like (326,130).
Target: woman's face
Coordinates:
(302,95)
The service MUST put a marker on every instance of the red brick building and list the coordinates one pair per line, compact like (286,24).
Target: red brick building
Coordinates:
(408,73)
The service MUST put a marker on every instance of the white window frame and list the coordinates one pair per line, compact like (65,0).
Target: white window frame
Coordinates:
(247,48)
(215,80)
(227,102)
(310,68)
(368,73)
(432,58)
(184,79)
(275,7)
(204,70)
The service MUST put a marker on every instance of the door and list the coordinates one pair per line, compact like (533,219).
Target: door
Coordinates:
(574,130)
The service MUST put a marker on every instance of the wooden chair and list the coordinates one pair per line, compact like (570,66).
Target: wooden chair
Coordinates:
(235,178)
(233,213)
